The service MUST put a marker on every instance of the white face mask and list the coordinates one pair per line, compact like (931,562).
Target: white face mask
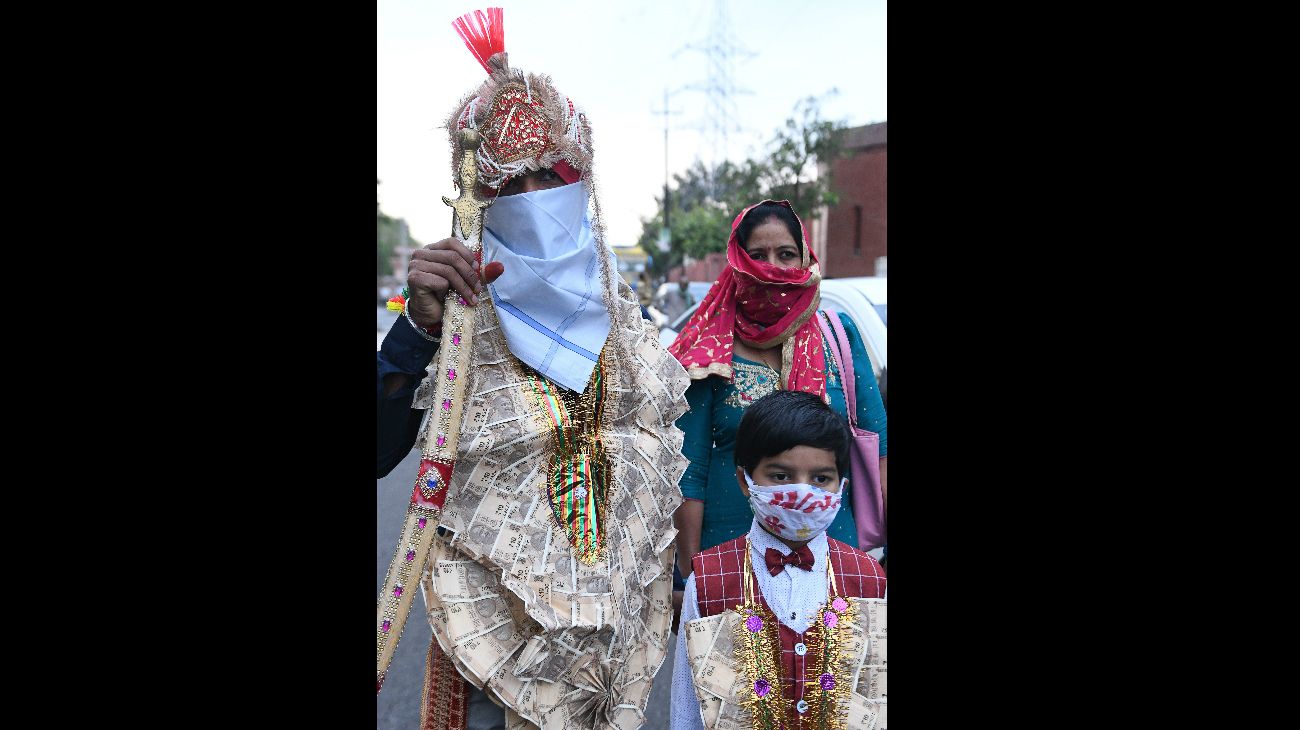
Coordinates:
(542,225)
(794,511)
(549,301)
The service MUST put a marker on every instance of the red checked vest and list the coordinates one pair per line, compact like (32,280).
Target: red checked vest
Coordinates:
(718,588)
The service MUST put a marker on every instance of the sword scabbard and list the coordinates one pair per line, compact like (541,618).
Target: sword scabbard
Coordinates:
(438,454)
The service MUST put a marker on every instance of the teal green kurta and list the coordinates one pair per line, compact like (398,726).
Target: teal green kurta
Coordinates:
(710,427)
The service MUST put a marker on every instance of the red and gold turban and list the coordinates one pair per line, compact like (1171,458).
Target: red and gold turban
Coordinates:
(525,123)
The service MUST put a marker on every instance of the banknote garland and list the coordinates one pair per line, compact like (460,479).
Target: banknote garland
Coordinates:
(758,652)
(539,617)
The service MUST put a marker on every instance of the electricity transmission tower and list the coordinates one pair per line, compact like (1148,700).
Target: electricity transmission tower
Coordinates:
(721,116)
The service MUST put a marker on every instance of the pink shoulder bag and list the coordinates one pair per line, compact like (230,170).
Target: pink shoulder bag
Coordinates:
(864,451)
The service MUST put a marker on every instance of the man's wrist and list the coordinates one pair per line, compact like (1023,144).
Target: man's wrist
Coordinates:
(433,334)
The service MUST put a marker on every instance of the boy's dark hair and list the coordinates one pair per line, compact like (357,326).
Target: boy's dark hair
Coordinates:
(788,418)
(764,212)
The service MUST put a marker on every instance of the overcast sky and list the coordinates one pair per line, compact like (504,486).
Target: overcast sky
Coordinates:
(615,59)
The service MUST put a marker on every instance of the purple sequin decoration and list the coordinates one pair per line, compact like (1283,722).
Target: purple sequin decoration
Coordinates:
(446,405)
(387,625)
(422,522)
(397,592)
(762,687)
(451,374)
(839,604)
(828,681)
(830,618)
(410,555)
(455,339)
(754,624)
(442,439)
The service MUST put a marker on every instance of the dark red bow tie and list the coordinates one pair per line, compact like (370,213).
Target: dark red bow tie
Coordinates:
(776,562)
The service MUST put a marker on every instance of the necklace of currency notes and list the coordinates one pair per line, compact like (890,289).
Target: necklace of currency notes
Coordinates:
(824,704)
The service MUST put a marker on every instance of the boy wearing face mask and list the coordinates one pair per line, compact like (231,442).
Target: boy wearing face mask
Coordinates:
(774,625)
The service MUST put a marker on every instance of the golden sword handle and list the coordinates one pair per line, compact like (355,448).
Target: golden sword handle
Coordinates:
(457,315)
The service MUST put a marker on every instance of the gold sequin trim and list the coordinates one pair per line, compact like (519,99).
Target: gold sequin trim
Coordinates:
(579,481)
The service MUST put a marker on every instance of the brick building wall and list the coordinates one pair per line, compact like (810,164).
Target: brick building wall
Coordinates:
(851,235)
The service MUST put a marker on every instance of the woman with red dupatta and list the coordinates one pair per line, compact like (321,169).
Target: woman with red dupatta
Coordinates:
(754,333)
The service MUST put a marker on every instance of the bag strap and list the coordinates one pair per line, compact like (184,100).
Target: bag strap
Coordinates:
(843,354)
(846,365)
(824,326)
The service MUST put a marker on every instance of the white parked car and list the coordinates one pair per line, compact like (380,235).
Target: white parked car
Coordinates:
(863,298)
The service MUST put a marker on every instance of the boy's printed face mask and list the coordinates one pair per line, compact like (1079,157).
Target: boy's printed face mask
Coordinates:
(794,511)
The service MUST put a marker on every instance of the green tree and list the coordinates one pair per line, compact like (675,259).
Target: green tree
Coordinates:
(702,230)
(703,202)
(805,140)
(387,240)
(389,237)
(698,216)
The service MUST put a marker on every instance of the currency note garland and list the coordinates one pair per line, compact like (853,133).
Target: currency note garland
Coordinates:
(758,651)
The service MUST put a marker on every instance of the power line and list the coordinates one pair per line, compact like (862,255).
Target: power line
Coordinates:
(663,243)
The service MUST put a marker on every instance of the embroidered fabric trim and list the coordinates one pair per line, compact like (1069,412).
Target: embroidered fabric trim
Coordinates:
(578,486)
(751,382)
